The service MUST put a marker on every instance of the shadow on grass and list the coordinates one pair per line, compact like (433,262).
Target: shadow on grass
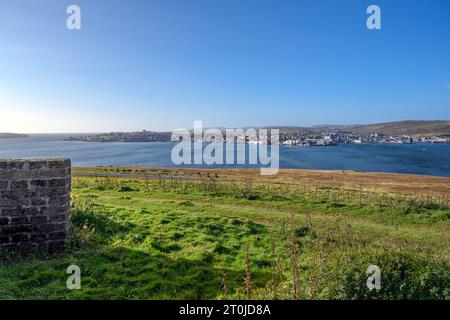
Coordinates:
(88,229)
(111,272)
(105,275)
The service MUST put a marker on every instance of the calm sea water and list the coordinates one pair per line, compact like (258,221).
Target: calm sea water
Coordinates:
(424,159)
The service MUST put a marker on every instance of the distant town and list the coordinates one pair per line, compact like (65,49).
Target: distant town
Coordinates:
(402,132)
(330,138)
(140,136)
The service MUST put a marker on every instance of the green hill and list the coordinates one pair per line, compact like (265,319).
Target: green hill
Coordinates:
(398,128)
(419,128)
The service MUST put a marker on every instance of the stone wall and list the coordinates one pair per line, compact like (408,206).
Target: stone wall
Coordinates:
(34,204)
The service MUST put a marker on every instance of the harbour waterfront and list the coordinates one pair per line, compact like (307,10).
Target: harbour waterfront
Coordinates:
(424,159)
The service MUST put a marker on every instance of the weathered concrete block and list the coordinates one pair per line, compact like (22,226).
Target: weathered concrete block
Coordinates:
(19,185)
(4,185)
(34,204)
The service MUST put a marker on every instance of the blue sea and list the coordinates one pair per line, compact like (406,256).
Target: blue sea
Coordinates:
(425,159)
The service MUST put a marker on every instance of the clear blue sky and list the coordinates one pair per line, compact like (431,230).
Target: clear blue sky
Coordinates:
(163,64)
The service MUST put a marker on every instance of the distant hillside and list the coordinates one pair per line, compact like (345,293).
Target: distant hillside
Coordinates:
(7,135)
(411,128)
(408,127)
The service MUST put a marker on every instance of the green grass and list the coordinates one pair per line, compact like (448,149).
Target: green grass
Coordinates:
(190,240)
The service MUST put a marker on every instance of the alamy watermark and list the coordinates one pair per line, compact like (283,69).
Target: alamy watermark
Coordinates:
(74,280)
(227,147)
(374,279)
(73,21)
(374,20)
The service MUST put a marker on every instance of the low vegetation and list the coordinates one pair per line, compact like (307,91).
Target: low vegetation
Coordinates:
(212,238)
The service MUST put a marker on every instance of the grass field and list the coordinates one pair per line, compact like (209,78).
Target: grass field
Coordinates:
(222,234)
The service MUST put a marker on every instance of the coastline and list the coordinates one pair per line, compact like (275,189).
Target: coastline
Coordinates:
(418,159)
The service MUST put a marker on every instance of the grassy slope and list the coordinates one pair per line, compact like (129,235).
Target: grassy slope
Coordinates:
(396,128)
(200,240)
(418,128)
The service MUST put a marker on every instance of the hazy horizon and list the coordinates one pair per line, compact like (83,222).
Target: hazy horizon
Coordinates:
(230,127)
